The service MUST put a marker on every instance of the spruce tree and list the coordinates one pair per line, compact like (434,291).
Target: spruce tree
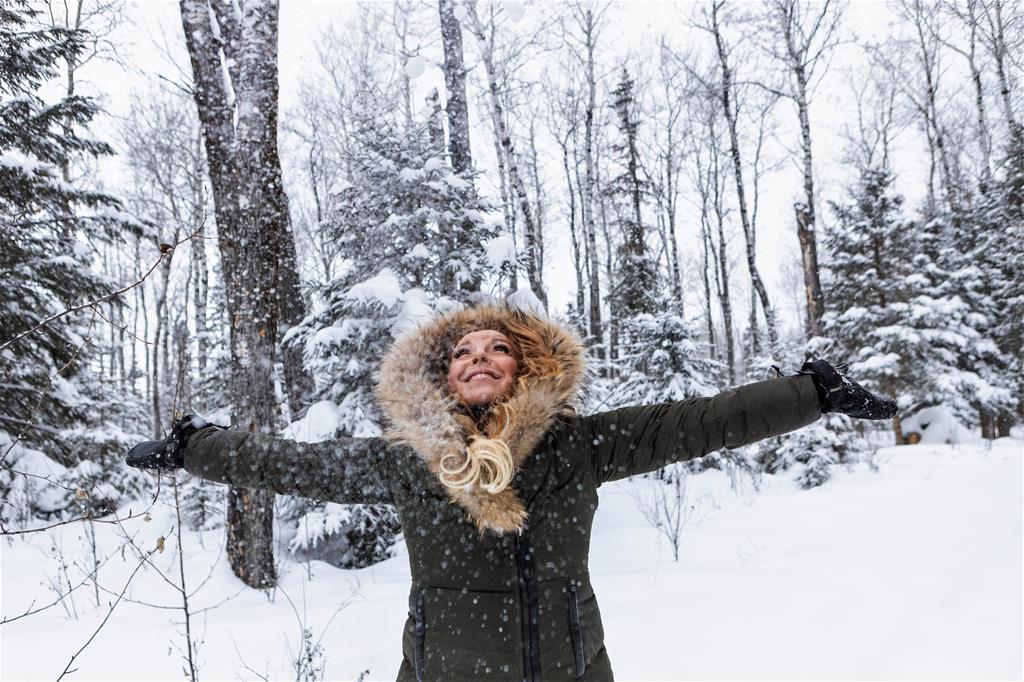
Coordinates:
(635,288)
(414,235)
(47,225)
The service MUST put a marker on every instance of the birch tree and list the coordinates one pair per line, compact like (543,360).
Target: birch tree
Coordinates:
(485,22)
(802,36)
(725,91)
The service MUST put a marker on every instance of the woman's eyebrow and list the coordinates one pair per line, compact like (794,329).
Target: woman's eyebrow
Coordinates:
(489,343)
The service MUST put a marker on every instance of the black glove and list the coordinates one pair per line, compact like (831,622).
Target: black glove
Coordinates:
(167,454)
(837,393)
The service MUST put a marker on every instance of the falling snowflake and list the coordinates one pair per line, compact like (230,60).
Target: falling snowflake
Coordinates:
(516,10)
(415,67)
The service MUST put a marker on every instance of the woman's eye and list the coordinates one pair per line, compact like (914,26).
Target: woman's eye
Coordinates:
(460,352)
(501,347)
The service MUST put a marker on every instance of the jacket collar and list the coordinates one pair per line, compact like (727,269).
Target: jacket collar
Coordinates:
(411,392)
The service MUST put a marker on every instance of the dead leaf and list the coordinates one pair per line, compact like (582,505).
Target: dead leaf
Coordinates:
(147,518)
(166,248)
(160,543)
(81,494)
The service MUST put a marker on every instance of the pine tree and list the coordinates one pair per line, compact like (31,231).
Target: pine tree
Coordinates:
(635,290)
(411,229)
(46,227)
(663,361)
(925,336)
(1005,244)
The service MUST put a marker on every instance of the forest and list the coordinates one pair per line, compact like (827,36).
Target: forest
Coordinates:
(232,208)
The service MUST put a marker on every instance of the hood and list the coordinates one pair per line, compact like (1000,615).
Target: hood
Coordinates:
(412,392)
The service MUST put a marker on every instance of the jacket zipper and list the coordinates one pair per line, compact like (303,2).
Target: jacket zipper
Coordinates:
(574,629)
(417,652)
(529,609)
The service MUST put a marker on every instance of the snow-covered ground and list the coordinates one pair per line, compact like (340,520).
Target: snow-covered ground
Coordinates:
(911,572)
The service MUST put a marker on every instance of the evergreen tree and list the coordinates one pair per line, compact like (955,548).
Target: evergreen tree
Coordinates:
(635,288)
(46,227)
(410,227)
(662,362)
(872,274)
(389,219)
(1005,244)
(923,336)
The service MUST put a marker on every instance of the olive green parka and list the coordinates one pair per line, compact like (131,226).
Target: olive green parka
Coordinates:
(500,583)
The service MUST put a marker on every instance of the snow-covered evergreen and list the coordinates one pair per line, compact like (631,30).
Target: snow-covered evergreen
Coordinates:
(51,222)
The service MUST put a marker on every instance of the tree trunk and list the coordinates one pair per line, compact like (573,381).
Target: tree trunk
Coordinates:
(573,234)
(737,162)
(455,86)
(256,244)
(201,281)
(705,261)
(587,208)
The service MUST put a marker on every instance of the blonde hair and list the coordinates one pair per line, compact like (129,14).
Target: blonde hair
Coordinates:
(488,462)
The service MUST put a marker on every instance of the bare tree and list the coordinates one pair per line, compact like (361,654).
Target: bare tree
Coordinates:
(725,91)
(995,24)
(802,36)
(486,31)
(581,35)
(670,509)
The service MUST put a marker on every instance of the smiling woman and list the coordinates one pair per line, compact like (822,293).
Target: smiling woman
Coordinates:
(483,367)
(494,476)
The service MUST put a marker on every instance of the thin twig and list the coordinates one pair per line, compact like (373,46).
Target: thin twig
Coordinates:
(67,668)
(165,251)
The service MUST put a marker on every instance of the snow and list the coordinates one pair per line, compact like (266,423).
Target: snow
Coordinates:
(415,67)
(938,426)
(419,251)
(415,311)
(500,250)
(913,571)
(383,287)
(524,299)
(320,423)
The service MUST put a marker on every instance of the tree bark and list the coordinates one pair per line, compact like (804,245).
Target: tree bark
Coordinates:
(455,85)
(589,27)
(725,95)
(239,123)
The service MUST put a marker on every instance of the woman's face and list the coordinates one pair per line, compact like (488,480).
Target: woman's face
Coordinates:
(483,367)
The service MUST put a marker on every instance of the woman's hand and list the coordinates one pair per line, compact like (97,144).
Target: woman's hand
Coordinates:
(166,454)
(837,393)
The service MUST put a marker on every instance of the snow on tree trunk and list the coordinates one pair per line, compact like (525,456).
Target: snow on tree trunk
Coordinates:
(455,85)
(237,102)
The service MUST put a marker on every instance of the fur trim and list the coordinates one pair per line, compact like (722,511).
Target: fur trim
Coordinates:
(412,392)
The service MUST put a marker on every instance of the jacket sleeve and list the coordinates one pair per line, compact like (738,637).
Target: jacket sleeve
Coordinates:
(636,440)
(344,470)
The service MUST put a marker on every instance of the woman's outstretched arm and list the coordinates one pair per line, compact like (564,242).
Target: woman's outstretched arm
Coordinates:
(635,440)
(347,470)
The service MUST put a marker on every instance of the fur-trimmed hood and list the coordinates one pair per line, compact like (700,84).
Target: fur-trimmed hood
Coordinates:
(413,395)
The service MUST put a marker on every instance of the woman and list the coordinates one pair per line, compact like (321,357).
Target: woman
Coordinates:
(495,480)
